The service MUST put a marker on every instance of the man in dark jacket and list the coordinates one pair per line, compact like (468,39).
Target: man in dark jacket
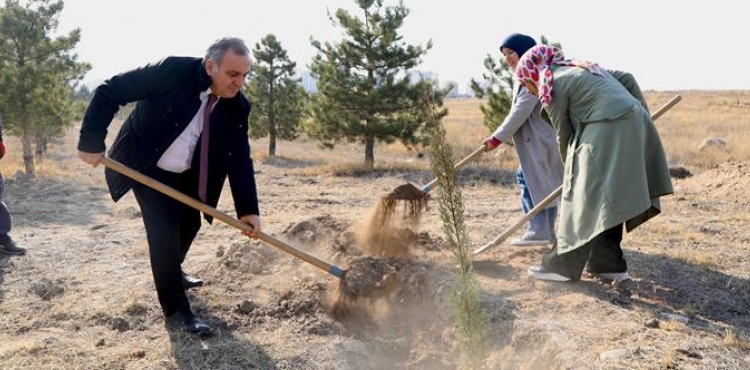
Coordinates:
(163,138)
(7,245)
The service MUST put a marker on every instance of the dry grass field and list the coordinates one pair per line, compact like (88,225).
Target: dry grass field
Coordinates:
(83,297)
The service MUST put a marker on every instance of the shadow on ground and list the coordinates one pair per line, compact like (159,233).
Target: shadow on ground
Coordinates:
(224,350)
(44,201)
(666,285)
(710,300)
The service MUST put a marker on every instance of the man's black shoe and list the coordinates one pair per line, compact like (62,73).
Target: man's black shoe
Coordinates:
(8,246)
(190,324)
(190,282)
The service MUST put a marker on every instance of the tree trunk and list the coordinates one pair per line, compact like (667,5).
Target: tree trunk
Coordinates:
(272,140)
(28,155)
(369,151)
(40,148)
(271,120)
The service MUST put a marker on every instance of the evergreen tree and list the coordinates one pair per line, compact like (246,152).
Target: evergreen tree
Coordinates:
(278,99)
(364,89)
(55,106)
(498,82)
(39,70)
(471,320)
(496,88)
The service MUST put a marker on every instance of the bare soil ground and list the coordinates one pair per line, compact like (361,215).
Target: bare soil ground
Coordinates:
(83,298)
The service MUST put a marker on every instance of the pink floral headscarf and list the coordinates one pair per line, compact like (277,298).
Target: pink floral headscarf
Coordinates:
(534,67)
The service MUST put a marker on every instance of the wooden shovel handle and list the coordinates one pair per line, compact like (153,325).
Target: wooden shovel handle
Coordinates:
(221,216)
(667,106)
(534,211)
(546,201)
(457,166)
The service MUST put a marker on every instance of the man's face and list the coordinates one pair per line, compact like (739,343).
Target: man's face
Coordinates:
(229,76)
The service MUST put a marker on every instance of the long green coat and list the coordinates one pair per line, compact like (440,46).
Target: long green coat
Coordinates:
(615,168)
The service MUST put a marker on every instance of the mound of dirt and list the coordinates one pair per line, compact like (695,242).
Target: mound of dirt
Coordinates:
(245,257)
(367,274)
(322,230)
(728,182)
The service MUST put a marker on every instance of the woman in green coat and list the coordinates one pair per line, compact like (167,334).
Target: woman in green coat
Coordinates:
(615,168)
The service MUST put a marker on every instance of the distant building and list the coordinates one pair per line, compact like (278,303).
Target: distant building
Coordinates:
(417,76)
(453,92)
(308,81)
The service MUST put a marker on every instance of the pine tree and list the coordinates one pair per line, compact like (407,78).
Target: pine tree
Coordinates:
(364,90)
(40,70)
(278,99)
(498,82)
(471,320)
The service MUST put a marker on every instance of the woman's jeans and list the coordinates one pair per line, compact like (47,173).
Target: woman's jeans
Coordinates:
(541,226)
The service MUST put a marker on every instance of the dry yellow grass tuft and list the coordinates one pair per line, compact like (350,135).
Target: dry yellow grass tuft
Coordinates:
(732,340)
(703,115)
(673,325)
(667,361)
(703,259)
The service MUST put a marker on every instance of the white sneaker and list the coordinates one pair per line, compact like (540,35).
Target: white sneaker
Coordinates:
(540,273)
(522,242)
(527,240)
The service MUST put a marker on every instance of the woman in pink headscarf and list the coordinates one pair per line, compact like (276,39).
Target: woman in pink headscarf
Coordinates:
(615,168)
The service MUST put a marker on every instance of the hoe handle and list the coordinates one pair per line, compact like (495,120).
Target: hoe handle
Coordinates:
(221,216)
(534,211)
(667,106)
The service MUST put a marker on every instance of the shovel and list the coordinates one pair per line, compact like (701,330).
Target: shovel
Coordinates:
(546,201)
(223,217)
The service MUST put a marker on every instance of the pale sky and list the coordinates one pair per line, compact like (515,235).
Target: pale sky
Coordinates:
(666,44)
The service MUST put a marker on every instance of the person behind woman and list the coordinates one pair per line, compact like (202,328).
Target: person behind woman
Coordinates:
(540,171)
(615,167)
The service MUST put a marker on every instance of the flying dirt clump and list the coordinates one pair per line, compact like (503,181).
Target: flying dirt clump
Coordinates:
(379,234)
(415,199)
